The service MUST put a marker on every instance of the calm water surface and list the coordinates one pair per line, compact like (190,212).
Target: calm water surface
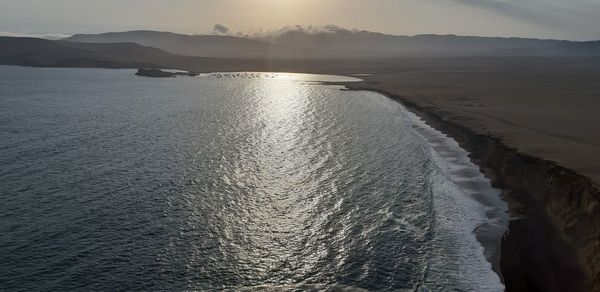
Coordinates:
(110,181)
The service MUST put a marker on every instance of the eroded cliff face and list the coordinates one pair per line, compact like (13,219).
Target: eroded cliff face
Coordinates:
(556,246)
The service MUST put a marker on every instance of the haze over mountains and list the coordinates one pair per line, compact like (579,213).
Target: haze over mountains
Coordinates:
(342,43)
(215,46)
(297,48)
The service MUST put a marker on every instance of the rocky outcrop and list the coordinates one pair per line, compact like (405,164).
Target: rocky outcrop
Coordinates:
(560,241)
(556,246)
(162,73)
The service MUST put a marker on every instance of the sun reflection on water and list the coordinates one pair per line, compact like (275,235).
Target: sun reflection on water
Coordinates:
(276,167)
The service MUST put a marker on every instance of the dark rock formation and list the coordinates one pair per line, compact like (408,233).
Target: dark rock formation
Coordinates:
(154,73)
(162,73)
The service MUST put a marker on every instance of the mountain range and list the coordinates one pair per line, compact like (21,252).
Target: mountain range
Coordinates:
(342,43)
(296,49)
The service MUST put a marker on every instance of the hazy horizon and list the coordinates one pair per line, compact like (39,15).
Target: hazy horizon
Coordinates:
(555,19)
(255,34)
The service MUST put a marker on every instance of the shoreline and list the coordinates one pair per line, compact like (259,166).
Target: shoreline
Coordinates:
(556,224)
(475,185)
(489,235)
(535,253)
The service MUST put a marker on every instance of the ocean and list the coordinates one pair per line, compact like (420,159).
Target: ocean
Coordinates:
(246,181)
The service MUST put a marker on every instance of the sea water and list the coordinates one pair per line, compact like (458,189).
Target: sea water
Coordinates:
(245,181)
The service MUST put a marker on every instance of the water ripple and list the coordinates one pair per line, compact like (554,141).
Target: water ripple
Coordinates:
(241,182)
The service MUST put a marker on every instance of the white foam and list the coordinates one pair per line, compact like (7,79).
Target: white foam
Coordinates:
(463,199)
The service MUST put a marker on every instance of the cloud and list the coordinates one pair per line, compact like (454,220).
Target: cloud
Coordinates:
(221,29)
(310,29)
(49,36)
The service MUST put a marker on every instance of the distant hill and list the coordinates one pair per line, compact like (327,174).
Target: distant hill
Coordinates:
(342,43)
(37,52)
(339,51)
(357,44)
(42,52)
(193,45)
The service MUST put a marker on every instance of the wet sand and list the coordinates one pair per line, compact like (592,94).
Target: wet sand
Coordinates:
(474,184)
(532,254)
(546,114)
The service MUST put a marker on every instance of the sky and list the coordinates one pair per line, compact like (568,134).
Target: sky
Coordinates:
(557,19)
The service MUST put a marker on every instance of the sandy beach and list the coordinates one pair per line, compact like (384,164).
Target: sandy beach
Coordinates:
(533,254)
(546,117)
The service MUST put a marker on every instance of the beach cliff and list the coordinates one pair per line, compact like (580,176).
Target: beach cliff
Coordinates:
(553,242)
